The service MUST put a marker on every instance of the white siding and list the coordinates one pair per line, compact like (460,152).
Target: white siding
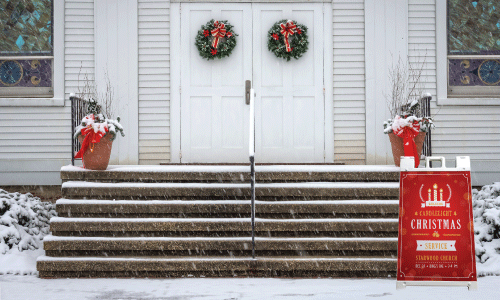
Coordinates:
(460,130)
(349,81)
(154,81)
(79,44)
(36,141)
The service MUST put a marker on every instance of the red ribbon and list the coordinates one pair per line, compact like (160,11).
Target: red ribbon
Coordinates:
(218,32)
(91,137)
(286,30)
(408,134)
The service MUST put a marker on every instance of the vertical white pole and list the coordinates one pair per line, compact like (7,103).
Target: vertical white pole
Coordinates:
(251,152)
(251,136)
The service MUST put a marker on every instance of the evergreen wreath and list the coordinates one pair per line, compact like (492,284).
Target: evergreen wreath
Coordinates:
(216,39)
(287,39)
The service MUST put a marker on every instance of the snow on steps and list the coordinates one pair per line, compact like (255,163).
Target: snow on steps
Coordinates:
(299,190)
(233,173)
(215,267)
(219,226)
(204,246)
(221,208)
(174,221)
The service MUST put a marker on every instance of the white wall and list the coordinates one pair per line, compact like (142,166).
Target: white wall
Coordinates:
(154,81)
(35,141)
(386,39)
(349,81)
(471,130)
(116,52)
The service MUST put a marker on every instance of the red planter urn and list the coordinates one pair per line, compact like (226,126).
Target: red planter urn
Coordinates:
(96,157)
(398,147)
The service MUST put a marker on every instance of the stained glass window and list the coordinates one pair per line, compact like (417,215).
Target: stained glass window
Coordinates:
(474,48)
(26,48)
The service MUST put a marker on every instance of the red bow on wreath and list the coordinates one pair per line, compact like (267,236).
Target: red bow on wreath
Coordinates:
(408,133)
(218,32)
(91,137)
(286,30)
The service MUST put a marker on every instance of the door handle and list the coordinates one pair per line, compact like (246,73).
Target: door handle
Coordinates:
(248,86)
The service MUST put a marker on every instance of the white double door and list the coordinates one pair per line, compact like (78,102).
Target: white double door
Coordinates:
(289,102)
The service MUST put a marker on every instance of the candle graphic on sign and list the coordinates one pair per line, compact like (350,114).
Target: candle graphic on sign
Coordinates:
(432,197)
(435,192)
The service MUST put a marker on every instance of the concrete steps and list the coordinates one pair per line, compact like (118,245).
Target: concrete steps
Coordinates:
(216,267)
(296,190)
(220,227)
(176,221)
(233,173)
(227,208)
(230,247)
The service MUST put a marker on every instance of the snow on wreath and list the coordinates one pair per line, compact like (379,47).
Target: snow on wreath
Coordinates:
(216,39)
(287,39)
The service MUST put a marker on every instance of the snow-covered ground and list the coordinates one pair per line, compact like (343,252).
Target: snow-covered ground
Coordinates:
(31,287)
(23,223)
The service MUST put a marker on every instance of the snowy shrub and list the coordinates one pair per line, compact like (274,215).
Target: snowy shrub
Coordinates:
(486,208)
(24,221)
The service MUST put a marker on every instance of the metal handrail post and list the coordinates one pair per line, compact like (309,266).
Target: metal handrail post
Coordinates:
(251,153)
(425,111)
(252,186)
(73,111)
(78,111)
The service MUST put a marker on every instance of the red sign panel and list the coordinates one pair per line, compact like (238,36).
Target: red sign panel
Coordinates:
(436,233)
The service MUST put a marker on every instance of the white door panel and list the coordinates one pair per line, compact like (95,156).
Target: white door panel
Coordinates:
(289,105)
(214,117)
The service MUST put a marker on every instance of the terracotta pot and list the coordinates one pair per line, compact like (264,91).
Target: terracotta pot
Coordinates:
(99,158)
(398,147)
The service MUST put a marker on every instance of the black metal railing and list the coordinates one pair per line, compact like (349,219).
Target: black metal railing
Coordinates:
(78,111)
(425,111)
(251,155)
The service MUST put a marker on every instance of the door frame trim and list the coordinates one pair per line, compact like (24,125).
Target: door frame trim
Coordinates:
(175,82)
(249,1)
(328,82)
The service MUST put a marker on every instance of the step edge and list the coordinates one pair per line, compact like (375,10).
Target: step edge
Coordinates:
(218,220)
(51,238)
(211,259)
